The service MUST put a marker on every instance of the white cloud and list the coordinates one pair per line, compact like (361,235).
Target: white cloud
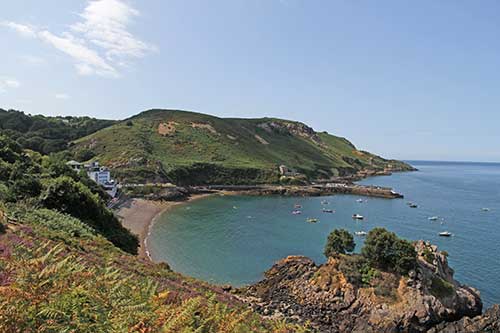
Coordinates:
(63,96)
(84,56)
(8,83)
(105,25)
(22,29)
(100,43)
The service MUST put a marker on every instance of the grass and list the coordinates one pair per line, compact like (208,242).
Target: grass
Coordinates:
(135,145)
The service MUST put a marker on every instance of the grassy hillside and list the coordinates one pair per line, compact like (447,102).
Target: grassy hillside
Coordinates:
(58,275)
(47,134)
(193,148)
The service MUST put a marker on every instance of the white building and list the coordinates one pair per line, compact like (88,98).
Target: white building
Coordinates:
(100,174)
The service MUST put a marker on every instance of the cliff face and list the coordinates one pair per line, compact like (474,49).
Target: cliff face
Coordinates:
(300,290)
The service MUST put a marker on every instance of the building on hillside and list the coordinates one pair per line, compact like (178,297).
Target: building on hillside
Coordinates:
(100,174)
(286,171)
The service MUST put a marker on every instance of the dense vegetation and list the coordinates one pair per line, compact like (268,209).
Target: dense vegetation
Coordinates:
(192,148)
(42,181)
(47,134)
(382,251)
(339,241)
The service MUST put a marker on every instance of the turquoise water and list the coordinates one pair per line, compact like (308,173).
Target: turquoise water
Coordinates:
(234,239)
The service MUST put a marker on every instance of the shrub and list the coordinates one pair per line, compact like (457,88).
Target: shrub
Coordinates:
(75,199)
(339,241)
(368,274)
(384,250)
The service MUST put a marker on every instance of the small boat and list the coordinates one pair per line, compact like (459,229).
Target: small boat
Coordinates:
(433,218)
(485,209)
(412,205)
(360,200)
(328,210)
(445,234)
(297,206)
(324,202)
(296,212)
(312,220)
(360,233)
(358,217)
(234,207)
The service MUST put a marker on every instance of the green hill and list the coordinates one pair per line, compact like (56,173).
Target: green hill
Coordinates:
(192,148)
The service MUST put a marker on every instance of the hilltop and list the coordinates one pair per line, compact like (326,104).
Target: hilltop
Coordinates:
(191,148)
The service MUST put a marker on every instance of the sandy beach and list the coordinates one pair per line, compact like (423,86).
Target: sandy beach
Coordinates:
(137,215)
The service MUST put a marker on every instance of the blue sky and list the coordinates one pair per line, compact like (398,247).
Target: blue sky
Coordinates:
(408,80)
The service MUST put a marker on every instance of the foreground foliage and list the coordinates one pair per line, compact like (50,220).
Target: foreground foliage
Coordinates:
(43,181)
(58,275)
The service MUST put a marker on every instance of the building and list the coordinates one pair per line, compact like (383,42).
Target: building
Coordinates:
(286,171)
(100,174)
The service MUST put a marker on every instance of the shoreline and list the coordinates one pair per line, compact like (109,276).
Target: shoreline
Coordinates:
(139,215)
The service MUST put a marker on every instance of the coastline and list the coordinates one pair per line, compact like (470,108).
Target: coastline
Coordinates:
(139,215)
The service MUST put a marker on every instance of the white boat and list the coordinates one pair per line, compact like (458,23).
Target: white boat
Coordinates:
(312,220)
(358,217)
(485,209)
(296,212)
(433,218)
(412,205)
(445,234)
(360,233)
(360,200)
(297,206)
(324,202)
(325,210)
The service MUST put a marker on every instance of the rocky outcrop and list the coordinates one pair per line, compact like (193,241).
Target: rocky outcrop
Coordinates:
(291,128)
(327,296)
(489,322)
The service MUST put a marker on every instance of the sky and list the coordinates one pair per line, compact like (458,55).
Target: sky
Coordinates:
(403,79)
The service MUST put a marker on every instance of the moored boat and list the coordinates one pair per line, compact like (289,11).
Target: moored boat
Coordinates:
(360,233)
(433,218)
(328,210)
(296,212)
(311,220)
(445,234)
(357,217)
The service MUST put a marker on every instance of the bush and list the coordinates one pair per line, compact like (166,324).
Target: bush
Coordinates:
(384,250)
(71,197)
(5,194)
(339,241)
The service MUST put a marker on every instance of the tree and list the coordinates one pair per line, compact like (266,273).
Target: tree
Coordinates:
(339,241)
(74,198)
(384,250)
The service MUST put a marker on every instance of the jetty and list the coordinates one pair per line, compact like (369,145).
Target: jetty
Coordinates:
(309,190)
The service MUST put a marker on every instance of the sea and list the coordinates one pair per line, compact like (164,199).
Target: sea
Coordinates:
(235,239)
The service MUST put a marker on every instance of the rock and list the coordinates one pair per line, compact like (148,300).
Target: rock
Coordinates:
(226,287)
(324,296)
(487,322)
